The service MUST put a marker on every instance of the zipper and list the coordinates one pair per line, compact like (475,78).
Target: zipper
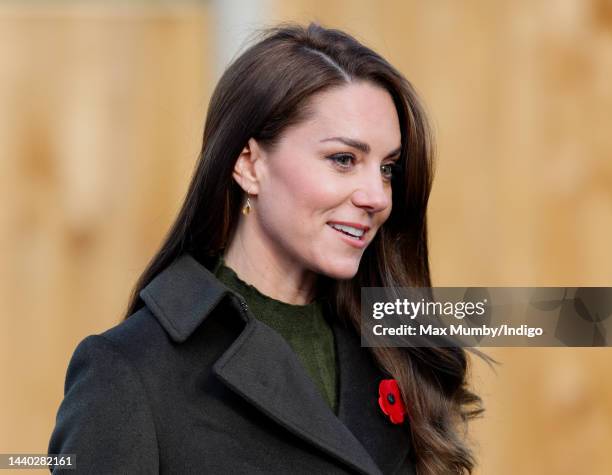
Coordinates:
(244,308)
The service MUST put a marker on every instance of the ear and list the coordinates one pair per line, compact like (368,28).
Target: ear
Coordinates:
(245,170)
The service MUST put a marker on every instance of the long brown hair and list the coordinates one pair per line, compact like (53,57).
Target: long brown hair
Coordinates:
(262,93)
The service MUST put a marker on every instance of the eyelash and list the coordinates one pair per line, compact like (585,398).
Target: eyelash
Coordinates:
(393,166)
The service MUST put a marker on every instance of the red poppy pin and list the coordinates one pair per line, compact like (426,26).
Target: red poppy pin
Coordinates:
(390,400)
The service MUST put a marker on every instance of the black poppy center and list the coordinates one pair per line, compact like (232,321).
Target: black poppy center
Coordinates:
(391,398)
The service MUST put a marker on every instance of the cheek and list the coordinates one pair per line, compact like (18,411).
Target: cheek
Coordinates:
(303,192)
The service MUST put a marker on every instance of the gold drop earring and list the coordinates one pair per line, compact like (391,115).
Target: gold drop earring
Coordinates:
(247,207)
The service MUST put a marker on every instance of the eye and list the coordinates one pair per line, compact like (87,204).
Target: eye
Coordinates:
(388,170)
(342,160)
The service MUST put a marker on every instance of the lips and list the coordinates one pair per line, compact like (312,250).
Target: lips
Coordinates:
(355,231)
(365,227)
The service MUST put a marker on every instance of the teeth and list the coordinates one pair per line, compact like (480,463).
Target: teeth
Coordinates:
(349,230)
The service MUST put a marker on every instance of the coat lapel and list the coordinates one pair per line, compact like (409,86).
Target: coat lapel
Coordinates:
(262,368)
(387,443)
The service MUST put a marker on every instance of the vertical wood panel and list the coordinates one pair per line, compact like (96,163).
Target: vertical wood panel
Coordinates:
(103,108)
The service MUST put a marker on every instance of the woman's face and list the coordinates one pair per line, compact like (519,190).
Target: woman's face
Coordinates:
(325,189)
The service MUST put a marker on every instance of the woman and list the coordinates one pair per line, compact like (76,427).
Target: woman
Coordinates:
(241,351)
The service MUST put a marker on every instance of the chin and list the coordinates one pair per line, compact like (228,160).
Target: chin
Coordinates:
(340,270)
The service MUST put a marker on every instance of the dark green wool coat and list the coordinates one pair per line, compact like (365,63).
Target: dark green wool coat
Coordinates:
(193,383)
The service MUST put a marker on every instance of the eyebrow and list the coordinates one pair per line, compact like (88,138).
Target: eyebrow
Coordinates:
(361,146)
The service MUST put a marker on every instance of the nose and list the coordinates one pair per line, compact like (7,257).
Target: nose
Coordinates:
(372,193)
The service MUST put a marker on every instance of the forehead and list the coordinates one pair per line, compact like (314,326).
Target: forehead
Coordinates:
(362,110)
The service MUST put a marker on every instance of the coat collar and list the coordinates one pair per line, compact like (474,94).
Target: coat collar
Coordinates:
(263,369)
(182,296)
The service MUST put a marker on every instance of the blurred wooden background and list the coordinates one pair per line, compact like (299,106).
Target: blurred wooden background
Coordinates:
(100,124)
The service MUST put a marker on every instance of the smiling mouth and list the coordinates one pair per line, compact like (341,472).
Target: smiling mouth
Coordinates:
(352,232)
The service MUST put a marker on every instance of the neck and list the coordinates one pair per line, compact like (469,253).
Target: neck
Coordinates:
(262,264)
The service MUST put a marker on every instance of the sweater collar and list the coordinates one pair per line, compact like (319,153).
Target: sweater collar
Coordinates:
(258,300)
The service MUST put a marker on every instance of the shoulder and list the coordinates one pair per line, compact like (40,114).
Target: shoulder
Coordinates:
(114,356)
(144,343)
(129,344)
(139,331)
(105,406)
(99,365)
